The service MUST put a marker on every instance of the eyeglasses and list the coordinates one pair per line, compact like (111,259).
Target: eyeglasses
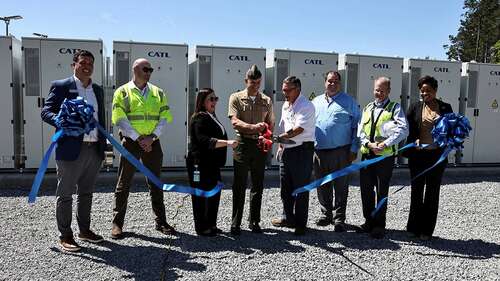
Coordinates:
(147,69)
(289,90)
(212,99)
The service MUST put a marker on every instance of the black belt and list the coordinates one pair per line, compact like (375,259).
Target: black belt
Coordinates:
(252,137)
(90,143)
(335,148)
(307,144)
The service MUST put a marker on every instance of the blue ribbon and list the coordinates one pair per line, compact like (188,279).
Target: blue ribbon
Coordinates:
(381,203)
(449,131)
(157,182)
(76,118)
(345,171)
(43,167)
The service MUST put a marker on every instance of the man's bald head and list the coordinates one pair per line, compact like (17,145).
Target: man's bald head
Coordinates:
(381,88)
(142,70)
(141,62)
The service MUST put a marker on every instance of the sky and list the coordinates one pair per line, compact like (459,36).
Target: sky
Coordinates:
(401,28)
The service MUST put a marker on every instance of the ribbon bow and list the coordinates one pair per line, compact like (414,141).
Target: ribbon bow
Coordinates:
(75,118)
(265,139)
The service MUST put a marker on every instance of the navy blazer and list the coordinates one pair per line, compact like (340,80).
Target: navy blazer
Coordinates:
(68,147)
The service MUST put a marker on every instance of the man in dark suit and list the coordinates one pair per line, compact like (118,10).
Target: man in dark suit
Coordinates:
(78,159)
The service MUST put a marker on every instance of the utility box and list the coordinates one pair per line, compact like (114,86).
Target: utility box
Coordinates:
(46,60)
(481,97)
(223,69)
(360,71)
(447,73)
(170,64)
(309,67)
(11,103)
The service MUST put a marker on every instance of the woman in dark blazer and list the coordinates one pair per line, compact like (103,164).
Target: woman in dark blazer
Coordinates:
(421,118)
(207,154)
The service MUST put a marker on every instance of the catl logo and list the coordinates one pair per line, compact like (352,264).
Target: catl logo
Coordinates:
(68,51)
(381,66)
(313,61)
(238,58)
(155,54)
(496,73)
(441,69)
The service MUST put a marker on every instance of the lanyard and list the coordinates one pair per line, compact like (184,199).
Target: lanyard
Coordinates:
(372,128)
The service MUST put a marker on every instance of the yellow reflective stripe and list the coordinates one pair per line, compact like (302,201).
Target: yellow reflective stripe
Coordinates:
(153,117)
(143,118)
(159,93)
(135,117)
(126,99)
(115,106)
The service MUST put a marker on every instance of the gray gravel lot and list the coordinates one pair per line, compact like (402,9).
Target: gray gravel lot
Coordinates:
(466,247)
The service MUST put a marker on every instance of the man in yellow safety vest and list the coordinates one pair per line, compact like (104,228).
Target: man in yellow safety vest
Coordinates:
(140,110)
(383,125)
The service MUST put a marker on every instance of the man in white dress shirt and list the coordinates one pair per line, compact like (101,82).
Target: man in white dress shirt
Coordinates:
(298,124)
(78,159)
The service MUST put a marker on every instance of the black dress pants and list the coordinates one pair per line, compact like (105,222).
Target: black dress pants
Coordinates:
(424,191)
(374,182)
(295,173)
(204,209)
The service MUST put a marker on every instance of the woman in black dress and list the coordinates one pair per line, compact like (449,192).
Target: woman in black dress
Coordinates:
(207,154)
(422,116)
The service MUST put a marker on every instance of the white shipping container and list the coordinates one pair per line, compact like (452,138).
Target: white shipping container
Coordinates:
(447,73)
(170,65)
(481,98)
(360,71)
(10,105)
(46,60)
(309,67)
(223,69)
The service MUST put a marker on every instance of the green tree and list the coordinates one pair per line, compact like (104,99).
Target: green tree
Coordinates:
(495,54)
(478,34)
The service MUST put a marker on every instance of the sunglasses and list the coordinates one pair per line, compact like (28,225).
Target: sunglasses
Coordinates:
(213,99)
(147,69)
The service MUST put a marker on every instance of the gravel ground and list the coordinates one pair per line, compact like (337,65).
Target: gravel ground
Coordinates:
(466,246)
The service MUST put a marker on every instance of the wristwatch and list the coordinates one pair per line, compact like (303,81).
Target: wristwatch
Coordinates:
(155,137)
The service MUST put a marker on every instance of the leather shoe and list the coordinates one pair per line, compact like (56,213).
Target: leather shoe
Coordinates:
(207,232)
(69,244)
(116,232)
(279,222)
(364,228)
(339,227)
(235,230)
(299,231)
(377,232)
(217,230)
(324,221)
(166,229)
(255,227)
(90,236)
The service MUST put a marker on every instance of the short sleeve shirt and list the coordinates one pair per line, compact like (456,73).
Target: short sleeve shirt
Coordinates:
(300,114)
(251,111)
